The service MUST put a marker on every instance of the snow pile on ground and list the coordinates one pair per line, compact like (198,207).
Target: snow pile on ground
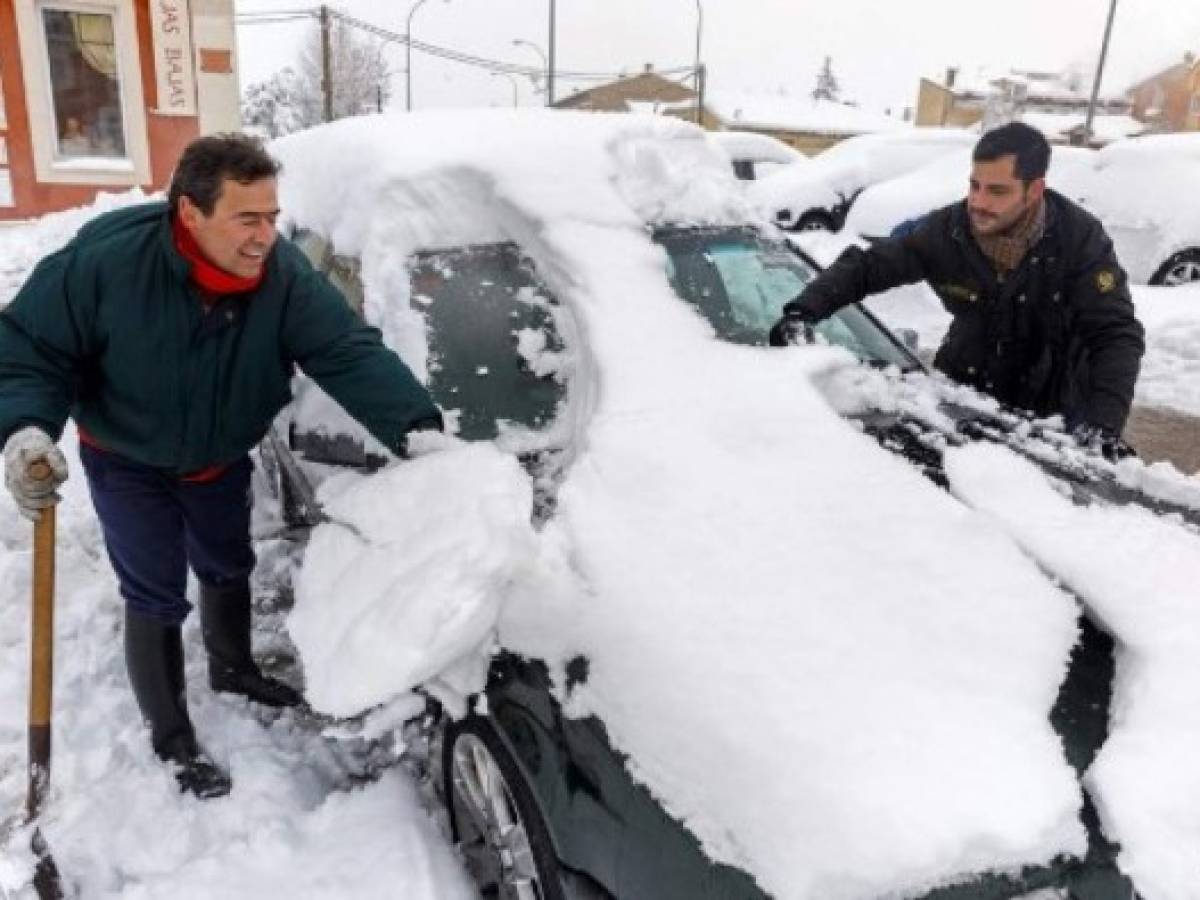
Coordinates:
(21,246)
(1138,576)
(408,579)
(295,824)
(734,558)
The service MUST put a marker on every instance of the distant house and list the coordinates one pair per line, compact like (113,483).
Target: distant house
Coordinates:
(989,98)
(647,91)
(103,95)
(1170,100)
(799,121)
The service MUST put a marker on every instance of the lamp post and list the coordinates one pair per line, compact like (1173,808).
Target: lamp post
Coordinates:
(699,71)
(408,54)
(511,81)
(1091,113)
(538,50)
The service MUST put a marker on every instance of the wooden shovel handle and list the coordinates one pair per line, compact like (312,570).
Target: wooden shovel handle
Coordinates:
(41,682)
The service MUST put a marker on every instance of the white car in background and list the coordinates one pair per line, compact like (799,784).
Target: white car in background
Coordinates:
(1144,190)
(755,156)
(881,208)
(819,195)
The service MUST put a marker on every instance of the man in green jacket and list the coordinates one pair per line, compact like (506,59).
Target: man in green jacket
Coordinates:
(170,333)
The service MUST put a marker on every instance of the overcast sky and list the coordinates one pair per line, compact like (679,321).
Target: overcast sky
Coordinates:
(879,49)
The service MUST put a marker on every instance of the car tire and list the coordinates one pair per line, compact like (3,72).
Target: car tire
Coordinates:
(1182,268)
(494,817)
(815,220)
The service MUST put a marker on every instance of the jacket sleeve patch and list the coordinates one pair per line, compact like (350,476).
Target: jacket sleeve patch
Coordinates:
(1106,281)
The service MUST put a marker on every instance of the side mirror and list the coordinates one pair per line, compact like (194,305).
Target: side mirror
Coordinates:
(908,337)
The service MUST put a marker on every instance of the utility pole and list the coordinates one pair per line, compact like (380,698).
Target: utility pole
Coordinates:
(550,66)
(1091,113)
(326,64)
(699,67)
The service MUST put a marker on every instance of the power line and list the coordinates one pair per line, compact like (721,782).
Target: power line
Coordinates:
(459,56)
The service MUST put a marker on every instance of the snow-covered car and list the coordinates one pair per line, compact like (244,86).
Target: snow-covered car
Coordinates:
(1141,188)
(690,632)
(884,206)
(755,156)
(819,195)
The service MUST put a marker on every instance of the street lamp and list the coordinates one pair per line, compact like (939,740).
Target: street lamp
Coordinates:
(408,54)
(545,62)
(511,81)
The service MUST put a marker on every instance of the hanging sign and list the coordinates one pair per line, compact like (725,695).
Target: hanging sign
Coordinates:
(175,73)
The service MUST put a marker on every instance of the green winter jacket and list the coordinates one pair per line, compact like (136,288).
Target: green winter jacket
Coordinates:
(110,331)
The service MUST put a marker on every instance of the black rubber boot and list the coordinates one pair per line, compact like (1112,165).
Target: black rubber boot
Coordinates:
(225,621)
(154,661)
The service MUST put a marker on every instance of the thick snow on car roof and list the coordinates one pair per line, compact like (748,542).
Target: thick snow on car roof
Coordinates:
(847,167)
(834,673)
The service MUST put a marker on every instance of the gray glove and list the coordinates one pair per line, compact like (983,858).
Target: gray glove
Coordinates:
(25,447)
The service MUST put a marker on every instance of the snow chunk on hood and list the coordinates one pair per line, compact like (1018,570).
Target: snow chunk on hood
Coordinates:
(376,616)
(1138,575)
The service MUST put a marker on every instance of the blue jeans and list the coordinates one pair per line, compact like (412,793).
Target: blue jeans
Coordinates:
(155,525)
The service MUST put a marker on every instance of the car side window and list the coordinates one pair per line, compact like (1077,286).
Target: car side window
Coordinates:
(496,355)
(312,245)
(344,274)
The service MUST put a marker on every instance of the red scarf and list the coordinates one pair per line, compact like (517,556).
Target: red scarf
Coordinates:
(204,274)
(214,282)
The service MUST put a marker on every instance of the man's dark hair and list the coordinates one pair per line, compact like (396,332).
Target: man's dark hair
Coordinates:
(208,161)
(1028,145)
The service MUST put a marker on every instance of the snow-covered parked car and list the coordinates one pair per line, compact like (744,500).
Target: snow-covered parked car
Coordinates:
(755,156)
(1142,190)
(819,195)
(689,632)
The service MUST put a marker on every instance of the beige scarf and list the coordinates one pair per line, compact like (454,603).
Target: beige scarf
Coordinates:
(1007,249)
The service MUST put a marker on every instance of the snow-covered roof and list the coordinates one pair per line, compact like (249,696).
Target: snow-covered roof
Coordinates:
(788,112)
(983,80)
(1105,127)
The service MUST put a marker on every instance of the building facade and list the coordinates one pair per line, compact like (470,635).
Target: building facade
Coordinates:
(103,95)
(1170,99)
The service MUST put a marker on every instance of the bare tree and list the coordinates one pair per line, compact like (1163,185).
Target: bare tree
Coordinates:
(293,99)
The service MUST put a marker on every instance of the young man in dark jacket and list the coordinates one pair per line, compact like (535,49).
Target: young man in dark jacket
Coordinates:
(169,332)
(1042,315)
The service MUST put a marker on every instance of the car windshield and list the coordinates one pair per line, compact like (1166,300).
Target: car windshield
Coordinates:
(739,281)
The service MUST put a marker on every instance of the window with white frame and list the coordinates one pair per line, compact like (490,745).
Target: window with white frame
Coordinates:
(83,72)
(81,51)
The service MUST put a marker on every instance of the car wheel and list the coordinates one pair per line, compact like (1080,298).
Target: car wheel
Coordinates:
(815,220)
(494,817)
(1182,268)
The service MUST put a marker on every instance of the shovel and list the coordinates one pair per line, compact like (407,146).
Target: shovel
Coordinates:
(46,880)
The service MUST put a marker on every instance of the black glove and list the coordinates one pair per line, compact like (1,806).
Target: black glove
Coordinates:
(1101,441)
(431,423)
(796,320)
